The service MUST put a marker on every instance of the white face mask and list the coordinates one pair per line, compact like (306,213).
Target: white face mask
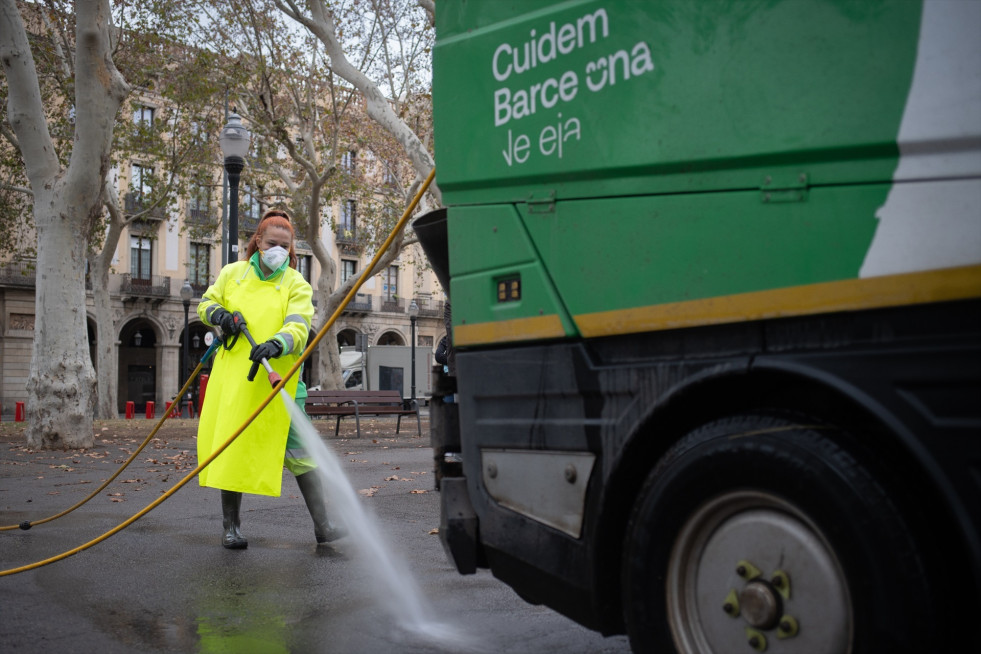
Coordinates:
(274,257)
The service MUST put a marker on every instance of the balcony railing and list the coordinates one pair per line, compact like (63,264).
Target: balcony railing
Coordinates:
(152,286)
(393,305)
(18,273)
(199,289)
(248,223)
(360,304)
(429,308)
(133,203)
(199,216)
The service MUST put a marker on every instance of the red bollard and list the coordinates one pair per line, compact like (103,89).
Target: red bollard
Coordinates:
(130,410)
(151,410)
(176,412)
(202,387)
(19,413)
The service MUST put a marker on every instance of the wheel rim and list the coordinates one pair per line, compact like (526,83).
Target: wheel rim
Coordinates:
(750,572)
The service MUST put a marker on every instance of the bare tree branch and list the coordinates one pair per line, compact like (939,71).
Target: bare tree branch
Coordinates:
(321,24)
(9,135)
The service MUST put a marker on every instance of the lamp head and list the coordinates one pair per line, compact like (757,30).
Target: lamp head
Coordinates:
(187,292)
(413,309)
(234,138)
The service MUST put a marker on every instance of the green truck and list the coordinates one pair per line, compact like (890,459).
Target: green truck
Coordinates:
(715,275)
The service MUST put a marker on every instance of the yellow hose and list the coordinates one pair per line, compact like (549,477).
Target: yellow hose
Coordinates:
(306,353)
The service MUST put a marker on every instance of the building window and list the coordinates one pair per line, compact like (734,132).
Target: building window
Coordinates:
(425,341)
(141,256)
(392,283)
(143,115)
(304,265)
(347,228)
(349,268)
(199,131)
(141,182)
(199,266)
(248,205)
(199,199)
(348,160)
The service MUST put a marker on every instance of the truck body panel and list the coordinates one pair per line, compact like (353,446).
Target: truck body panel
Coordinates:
(672,213)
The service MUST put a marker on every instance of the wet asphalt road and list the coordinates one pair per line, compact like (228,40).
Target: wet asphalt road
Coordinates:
(166,585)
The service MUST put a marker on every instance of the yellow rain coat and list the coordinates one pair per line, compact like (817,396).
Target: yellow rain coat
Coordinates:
(279,306)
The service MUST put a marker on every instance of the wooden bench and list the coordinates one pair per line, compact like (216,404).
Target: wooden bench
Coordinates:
(360,403)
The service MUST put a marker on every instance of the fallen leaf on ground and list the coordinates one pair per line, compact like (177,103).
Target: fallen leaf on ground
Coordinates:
(368,492)
(434,532)
(417,492)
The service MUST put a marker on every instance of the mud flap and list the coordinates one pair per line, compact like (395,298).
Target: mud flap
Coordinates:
(458,527)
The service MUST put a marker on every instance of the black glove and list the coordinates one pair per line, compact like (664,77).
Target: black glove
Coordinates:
(268,350)
(224,319)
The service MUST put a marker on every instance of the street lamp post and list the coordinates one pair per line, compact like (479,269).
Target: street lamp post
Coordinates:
(413,315)
(234,141)
(186,294)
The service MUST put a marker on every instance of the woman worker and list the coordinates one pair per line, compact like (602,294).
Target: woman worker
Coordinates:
(275,302)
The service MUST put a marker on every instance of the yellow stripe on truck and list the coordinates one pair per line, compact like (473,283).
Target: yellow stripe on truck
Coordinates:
(487,333)
(846,295)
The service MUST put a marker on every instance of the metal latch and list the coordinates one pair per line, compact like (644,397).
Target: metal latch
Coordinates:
(541,204)
(784,188)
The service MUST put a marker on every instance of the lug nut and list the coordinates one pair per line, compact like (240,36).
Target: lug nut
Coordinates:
(728,607)
(754,642)
(741,571)
(786,625)
(778,581)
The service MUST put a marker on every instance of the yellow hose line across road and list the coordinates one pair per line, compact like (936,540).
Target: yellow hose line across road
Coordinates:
(273,393)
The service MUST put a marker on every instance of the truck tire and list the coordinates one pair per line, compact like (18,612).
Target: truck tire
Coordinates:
(757,533)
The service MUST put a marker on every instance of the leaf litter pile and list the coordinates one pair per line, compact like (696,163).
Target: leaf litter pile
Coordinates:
(114,442)
(167,458)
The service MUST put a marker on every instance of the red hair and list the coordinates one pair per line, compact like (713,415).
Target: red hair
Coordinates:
(273,218)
